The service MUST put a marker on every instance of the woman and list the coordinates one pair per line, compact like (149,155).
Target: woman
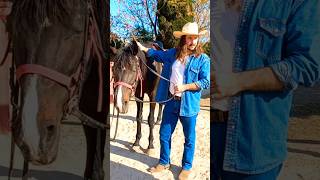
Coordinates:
(188,69)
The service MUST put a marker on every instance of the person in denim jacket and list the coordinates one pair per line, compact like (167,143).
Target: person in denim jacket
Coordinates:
(188,69)
(274,48)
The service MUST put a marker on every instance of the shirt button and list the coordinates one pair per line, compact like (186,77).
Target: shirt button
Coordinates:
(244,20)
(234,101)
(240,48)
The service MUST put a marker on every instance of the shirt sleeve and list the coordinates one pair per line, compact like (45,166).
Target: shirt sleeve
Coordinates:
(301,63)
(204,74)
(159,55)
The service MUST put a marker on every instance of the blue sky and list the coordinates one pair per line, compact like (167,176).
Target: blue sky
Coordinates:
(115,11)
(113,7)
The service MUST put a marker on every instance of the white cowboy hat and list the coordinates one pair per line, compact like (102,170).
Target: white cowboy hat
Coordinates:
(189,29)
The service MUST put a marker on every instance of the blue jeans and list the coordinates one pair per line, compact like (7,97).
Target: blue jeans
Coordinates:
(217,145)
(168,125)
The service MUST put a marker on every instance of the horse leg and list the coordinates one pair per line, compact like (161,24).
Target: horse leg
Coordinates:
(94,161)
(98,173)
(159,114)
(91,144)
(25,172)
(139,122)
(151,126)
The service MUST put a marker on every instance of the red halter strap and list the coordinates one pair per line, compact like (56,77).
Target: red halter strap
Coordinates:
(45,72)
(132,87)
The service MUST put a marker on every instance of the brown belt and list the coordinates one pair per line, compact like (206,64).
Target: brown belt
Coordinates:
(218,116)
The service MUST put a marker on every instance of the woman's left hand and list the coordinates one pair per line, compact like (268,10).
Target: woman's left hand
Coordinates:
(179,88)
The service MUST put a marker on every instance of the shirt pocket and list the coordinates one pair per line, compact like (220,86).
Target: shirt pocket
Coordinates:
(269,39)
(194,74)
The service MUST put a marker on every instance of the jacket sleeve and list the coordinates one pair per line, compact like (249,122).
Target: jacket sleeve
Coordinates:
(301,63)
(204,74)
(161,56)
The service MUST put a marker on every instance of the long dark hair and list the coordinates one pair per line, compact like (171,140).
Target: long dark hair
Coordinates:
(183,51)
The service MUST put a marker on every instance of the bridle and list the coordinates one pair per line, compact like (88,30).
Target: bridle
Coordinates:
(139,77)
(73,83)
(132,87)
(3,60)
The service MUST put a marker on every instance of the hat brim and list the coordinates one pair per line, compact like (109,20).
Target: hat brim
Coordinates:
(178,34)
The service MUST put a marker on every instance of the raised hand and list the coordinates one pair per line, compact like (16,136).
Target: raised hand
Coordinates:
(141,47)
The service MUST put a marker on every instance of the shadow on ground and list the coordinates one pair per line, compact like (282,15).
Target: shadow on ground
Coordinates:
(127,170)
(143,158)
(306,102)
(41,174)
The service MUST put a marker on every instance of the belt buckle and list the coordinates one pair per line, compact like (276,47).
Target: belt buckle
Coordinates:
(219,116)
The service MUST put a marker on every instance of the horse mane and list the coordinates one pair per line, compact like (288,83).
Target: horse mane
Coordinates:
(31,14)
(122,57)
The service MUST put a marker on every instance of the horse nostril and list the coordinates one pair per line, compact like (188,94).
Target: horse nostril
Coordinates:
(50,129)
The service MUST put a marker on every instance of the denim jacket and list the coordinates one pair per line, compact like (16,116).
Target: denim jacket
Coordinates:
(283,35)
(197,71)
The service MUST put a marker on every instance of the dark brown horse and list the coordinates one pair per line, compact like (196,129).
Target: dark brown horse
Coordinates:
(53,43)
(132,77)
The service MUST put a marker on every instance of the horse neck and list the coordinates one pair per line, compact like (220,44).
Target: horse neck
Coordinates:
(143,68)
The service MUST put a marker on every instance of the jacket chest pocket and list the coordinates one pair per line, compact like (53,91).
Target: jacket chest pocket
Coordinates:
(194,74)
(269,39)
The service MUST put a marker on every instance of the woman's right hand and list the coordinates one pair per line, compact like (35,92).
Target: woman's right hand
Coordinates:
(141,47)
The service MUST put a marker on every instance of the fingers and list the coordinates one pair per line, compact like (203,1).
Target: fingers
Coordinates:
(176,89)
(141,47)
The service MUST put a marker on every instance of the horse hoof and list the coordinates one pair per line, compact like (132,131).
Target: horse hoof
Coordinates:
(151,152)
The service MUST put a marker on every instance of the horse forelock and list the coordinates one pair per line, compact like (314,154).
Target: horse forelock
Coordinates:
(32,14)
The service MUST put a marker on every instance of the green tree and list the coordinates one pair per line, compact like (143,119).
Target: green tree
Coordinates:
(172,15)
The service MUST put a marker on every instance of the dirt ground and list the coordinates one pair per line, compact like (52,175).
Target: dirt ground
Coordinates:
(122,156)
(303,162)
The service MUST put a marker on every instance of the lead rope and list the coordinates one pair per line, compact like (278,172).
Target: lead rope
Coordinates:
(117,122)
(4,20)
(14,93)
(160,76)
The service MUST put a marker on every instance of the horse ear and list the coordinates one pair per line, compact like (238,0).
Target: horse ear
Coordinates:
(135,48)
(113,50)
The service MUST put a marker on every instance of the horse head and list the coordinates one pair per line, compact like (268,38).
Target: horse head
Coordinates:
(50,35)
(128,74)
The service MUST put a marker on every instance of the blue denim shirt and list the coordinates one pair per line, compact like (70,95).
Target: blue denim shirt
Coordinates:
(197,71)
(283,35)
